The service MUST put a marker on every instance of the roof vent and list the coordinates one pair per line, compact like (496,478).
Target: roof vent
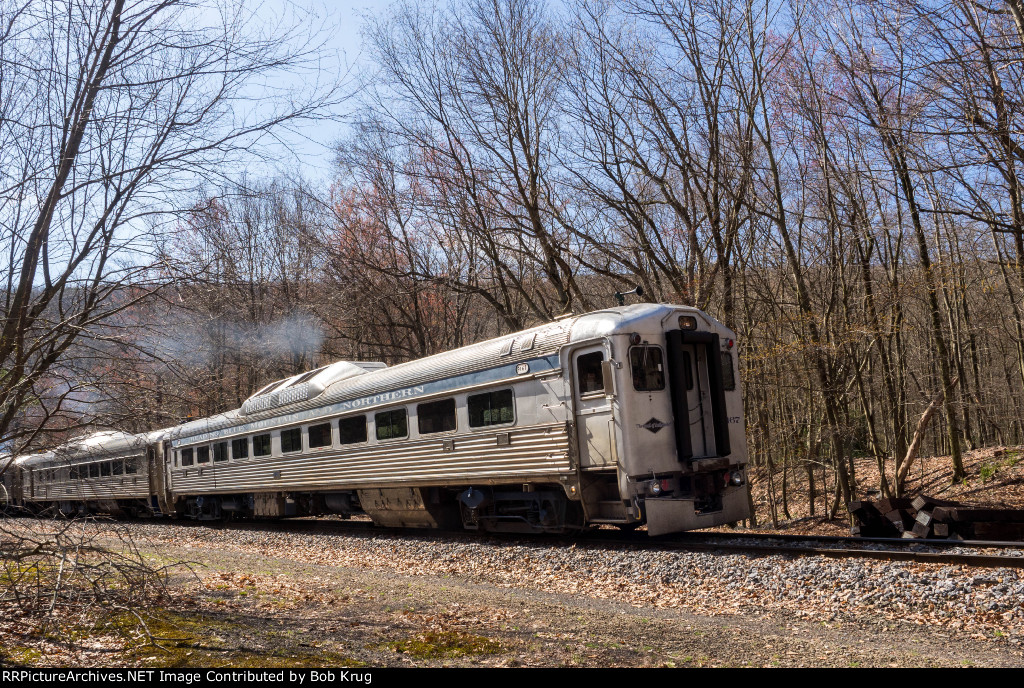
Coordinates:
(308,385)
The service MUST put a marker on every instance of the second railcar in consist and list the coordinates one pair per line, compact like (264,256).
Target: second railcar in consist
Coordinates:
(623,416)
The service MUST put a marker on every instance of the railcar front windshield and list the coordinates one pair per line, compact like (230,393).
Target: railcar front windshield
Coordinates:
(647,364)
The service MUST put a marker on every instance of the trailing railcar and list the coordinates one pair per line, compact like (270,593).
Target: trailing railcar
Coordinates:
(624,416)
(107,472)
(10,490)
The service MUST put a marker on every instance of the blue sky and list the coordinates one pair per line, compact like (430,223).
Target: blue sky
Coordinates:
(341,22)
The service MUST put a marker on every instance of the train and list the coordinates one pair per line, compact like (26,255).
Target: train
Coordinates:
(626,416)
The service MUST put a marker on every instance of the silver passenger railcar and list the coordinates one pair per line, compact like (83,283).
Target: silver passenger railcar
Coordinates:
(623,416)
(108,472)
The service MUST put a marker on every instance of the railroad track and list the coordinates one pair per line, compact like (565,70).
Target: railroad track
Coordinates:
(852,547)
(887,549)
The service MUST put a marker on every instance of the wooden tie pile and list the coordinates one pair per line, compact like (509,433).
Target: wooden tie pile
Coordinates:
(928,517)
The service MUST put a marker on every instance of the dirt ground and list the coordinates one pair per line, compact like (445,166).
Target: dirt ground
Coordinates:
(283,613)
(265,609)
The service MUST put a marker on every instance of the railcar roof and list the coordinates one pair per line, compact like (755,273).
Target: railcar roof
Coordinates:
(104,443)
(536,342)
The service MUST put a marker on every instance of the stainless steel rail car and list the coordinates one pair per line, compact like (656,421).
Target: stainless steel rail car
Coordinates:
(10,489)
(107,472)
(624,416)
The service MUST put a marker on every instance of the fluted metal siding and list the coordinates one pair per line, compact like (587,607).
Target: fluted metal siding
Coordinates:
(534,452)
(95,488)
(130,486)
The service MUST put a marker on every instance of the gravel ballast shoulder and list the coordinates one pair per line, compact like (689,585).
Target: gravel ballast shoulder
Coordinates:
(762,610)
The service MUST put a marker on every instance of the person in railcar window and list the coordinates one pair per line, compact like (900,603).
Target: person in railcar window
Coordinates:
(588,368)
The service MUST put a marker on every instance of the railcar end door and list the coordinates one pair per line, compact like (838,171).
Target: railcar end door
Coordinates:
(694,365)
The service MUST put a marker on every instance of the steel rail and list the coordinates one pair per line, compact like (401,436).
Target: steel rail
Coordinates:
(684,542)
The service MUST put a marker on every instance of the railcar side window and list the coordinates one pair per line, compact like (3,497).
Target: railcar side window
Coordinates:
(119,468)
(94,470)
(291,440)
(186,457)
(203,454)
(240,448)
(492,408)
(131,466)
(220,451)
(588,372)
(648,368)
(436,416)
(105,469)
(261,445)
(352,430)
(319,435)
(728,372)
(392,424)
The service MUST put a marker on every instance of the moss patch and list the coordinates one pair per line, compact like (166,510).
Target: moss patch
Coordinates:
(184,640)
(1010,458)
(445,645)
(20,656)
(173,639)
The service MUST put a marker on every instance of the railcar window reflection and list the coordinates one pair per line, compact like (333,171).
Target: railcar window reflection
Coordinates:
(648,368)
(240,448)
(436,416)
(588,372)
(392,424)
(269,388)
(491,408)
(319,435)
(131,465)
(261,445)
(352,430)
(306,376)
(119,468)
(291,440)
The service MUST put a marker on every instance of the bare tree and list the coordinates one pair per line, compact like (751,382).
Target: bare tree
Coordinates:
(110,112)
(473,89)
